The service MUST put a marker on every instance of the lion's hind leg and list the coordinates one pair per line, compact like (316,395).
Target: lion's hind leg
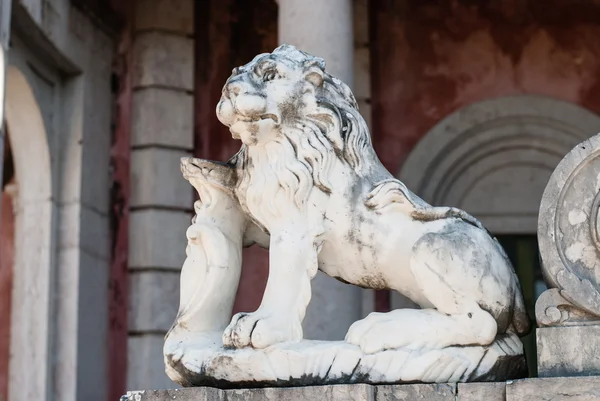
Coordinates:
(458,318)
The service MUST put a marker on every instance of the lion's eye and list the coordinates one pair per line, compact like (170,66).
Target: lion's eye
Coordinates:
(269,75)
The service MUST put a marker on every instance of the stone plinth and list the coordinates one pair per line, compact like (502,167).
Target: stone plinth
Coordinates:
(556,389)
(568,351)
(568,313)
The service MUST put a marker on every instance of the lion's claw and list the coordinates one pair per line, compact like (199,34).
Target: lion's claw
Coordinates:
(259,330)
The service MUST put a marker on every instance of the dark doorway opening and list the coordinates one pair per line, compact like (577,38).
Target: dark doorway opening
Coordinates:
(523,252)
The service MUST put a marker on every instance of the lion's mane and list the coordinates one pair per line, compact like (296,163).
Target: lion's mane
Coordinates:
(302,157)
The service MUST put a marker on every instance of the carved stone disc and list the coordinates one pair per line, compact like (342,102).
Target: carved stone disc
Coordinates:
(568,227)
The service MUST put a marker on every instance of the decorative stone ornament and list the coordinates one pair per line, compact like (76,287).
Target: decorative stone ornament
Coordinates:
(307,185)
(568,236)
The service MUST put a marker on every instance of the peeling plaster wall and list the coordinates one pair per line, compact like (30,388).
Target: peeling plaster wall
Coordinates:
(432,58)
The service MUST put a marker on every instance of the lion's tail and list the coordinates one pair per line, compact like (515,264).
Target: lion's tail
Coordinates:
(520,321)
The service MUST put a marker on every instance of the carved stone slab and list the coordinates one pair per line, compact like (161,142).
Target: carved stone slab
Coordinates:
(555,389)
(568,235)
(568,351)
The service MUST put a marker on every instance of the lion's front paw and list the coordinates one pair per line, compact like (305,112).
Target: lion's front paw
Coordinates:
(259,330)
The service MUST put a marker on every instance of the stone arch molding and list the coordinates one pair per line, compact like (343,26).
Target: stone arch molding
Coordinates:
(32,271)
(494,158)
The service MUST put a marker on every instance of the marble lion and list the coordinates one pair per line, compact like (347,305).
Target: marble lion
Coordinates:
(308,177)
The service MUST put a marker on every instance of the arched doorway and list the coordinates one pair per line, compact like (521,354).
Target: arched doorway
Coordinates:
(31,282)
(493,159)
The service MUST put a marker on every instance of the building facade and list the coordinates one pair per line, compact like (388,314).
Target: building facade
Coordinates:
(471,104)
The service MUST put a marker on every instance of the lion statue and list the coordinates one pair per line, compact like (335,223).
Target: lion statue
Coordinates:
(308,177)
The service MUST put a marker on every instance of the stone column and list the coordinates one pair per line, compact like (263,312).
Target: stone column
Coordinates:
(324,28)
(160,199)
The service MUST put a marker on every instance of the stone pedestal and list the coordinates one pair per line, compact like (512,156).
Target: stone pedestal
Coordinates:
(568,351)
(568,314)
(555,389)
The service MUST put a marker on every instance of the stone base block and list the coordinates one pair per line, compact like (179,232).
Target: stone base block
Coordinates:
(569,351)
(555,389)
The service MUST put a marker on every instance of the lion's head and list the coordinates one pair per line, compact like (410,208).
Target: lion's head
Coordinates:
(288,95)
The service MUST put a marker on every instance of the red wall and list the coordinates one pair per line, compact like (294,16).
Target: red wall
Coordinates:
(7,242)
(430,58)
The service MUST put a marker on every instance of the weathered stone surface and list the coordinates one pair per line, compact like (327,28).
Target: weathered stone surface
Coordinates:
(568,351)
(293,187)
(569,236)
(153,300)
(545,389)
(163,60)
(168,15)
(481,391)
(153,242)
(554,389)
(156,179)
(359,392)
(196,394)
(162,117)
(429,392)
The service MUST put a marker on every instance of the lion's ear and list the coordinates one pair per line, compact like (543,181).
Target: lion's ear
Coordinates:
(314,76)
(313,72)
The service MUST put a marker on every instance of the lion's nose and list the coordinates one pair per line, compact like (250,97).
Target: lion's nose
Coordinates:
(234,88)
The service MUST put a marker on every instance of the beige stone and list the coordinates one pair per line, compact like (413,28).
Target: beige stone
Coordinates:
(145,366)
(169,15)
(481,391)
(156,238)
(554,389)
(162,117)
(193,394)
(156,179)
(429,392)
(153,300)
(358,392)
(165,60)
(568,351)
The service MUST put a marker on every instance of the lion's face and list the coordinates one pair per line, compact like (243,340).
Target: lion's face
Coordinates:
(270,92)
